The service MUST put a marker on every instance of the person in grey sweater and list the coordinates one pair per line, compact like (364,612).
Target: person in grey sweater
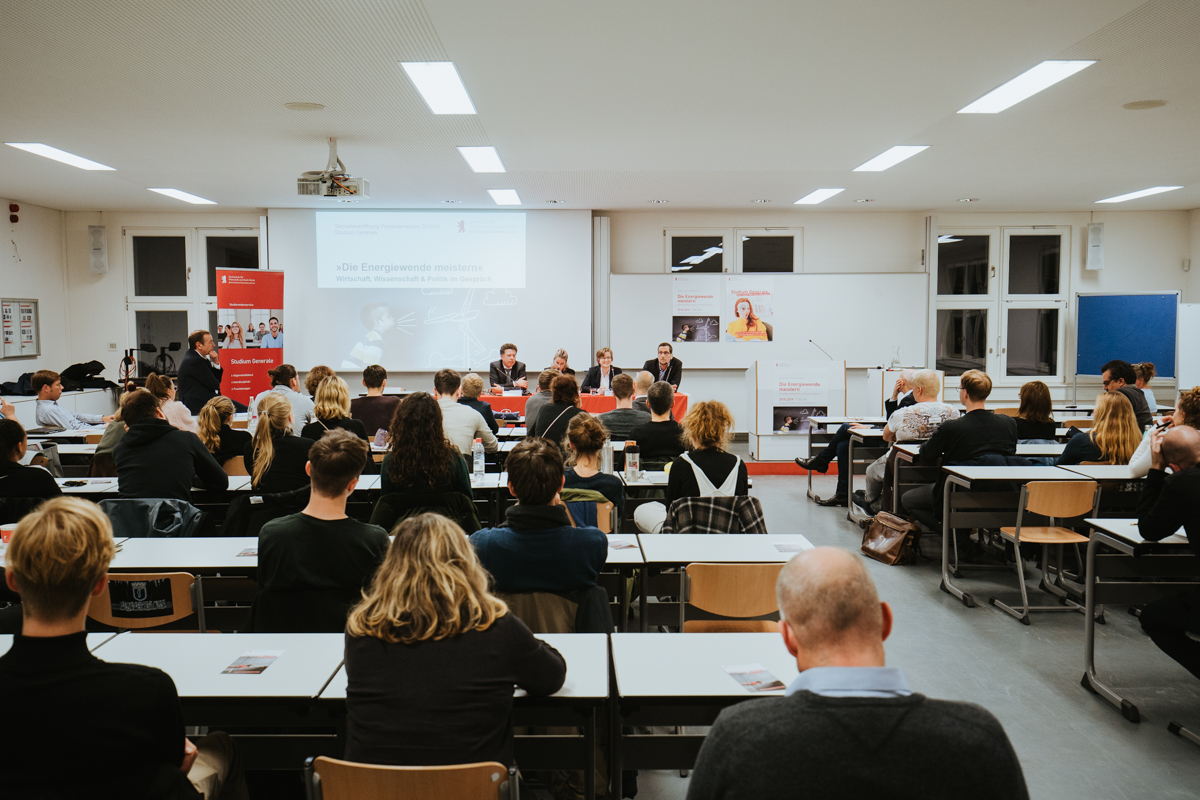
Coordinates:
(535,404)
(849,726)
(624,418)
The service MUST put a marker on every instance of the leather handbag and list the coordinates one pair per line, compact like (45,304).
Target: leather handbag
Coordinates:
(889,539)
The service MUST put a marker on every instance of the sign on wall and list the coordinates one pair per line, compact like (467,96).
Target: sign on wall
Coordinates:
(252,330)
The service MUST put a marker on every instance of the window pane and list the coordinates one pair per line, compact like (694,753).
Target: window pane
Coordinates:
(961,340)
(160,266)
(1032,341)
(226,252)
(963,264)
(1033,265)
(162,340)
(696,253)
(767,253)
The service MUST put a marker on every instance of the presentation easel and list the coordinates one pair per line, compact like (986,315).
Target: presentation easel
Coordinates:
(781,395)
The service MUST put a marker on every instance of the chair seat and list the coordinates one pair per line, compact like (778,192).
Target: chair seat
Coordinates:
(1046,535)
(730,626)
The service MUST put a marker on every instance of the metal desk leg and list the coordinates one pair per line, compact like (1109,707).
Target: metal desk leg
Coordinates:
(624,600)
(615,741)
(642,583)
(850,481)
(682,598)
(1179,730)
(947,543)
(589,740)
(811,496)
(1090,681)
(896,486)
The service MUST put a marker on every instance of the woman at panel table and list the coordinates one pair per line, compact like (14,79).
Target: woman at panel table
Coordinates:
(601,375)
(560,362)
(1113,438)
(432,656)
(585,437)
(1187,412)
(233,337)
(747,327)
(173,411)
(17,480)
(420,459)
(276,457)
(332,409)
(221,440)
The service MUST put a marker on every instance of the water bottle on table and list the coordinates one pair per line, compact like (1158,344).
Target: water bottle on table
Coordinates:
(632,462)
(477,458)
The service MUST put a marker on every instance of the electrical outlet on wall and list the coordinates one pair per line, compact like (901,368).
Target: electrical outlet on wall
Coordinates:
(112,345)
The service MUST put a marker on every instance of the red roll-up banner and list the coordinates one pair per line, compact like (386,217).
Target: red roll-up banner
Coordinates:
(250,329)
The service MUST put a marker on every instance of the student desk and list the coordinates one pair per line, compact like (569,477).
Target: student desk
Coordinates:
(819,435)
(198,554)
(92,486)
(68,437)
(676,550)
(1124,568)
(908,475)
(679,679)
(870,447)
(512,433)
(967,503)
(585,692)
(1119,489)
(94,640)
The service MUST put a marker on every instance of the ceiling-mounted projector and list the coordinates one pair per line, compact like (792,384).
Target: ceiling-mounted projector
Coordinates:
(333,181)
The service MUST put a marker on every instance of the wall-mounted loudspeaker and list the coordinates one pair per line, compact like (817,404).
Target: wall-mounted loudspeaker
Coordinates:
(98,243)
(1095,249)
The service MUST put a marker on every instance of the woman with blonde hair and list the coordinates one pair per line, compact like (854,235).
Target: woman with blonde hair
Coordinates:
(174,411)
(221,440)
(332,410)
(1113,438)
(314,378)
(276,457)
(432,656)
(1187,412)
(559,362)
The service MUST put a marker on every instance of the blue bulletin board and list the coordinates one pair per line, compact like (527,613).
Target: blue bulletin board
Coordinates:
(1129,327)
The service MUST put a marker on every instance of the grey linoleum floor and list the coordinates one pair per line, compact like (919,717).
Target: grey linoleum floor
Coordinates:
(1072,744)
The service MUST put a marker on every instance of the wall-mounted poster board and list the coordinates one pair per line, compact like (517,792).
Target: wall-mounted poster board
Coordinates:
(782,395)
(1129,327)
(20,334)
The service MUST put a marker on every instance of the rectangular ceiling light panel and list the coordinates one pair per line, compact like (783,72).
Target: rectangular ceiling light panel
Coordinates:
(891,158)
(482,159)
(505,197)
(184,196)
(58,155)
(440,86)
(818,196)
(1027,84)
(1121,198)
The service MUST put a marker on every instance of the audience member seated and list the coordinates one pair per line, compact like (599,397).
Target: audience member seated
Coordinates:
(538,401)
(115,431)
(508,373)
(315,377)
(174,411)
(552,420)
(221,440)
(585,437)
(973,435)
(849,726)
(376,409)
(276,457)
(1145,372)
(1035,420)
(17,480)
(600,376)
(1118,376)
(472,387)
(432,657)
(660,439)
(462,425)
(199,373)
(157,460)
(538,550)
(285,384)
(1168,503)
(624,418)
(49,413)
(320,558)
(1187,413)
(705,470)
(901,394)
(1112,439)
(666,366)
(332,411)
(641,388)
(420,459)
(560,362)
(89,728)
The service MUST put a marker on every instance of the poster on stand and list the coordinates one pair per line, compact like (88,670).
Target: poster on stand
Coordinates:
(788,393)
(251,330)
(749,310)
(696,308)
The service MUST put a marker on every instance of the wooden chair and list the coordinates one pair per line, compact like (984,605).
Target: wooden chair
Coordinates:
(1079,423)
(736,591)
(332,779)
(1056,500)
(93,438)
(604,515)
(239,424)
(1007,412)
(176,594)
(235,466)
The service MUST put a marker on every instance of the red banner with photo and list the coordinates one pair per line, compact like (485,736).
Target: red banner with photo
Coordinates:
(250,330)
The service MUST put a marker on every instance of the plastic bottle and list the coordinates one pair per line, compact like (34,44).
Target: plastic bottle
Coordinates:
(632,461)
(477,456)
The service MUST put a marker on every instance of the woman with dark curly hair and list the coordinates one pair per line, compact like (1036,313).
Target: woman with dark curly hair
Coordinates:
(420,458)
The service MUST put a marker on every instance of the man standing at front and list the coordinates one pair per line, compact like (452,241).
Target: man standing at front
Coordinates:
(666,367)
(508,373)
(274,339)
(199,373)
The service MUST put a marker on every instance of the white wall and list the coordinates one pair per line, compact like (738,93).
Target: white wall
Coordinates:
(32,266)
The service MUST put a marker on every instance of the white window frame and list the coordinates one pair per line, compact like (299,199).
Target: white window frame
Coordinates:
(993,235)
(797,235)
(189,243)
(202,251)
(1064,259)
(727,256)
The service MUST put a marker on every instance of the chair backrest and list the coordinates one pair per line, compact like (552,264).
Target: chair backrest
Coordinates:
(152,518)
(733,590)
(1060,499)
(1093,464)
(93,438)
(397,506)
(578,611)
(235,466)
(147,600)
(1007,412)
(333,779)
(740,514)
(588,507)
(1079,423)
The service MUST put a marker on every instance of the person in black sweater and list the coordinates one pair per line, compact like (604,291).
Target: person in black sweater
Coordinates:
(275,458)
(1168,503)
(17,480)
(199,372)
(585,437)
(218,437)
(666,367)
(1119,376)
(472,387)
(375,410)
(432,656)
(705,470)
(89,728)
(420,458)
(552,420)
(157,460)
(1034,418)
(660,439)
(848,725)
(332,409)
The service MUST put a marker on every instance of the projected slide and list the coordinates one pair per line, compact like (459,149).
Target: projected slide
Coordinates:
(420,250)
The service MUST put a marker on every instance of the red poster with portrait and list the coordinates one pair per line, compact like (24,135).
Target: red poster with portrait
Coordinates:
(250,329)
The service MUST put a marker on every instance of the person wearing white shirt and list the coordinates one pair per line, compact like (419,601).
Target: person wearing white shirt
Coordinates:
(462,424)
(284,381)
(48,385)
(1187,412)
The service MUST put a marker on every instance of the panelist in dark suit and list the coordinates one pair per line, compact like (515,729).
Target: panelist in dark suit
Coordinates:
(199,377)
(508,373)
(666,367)
(601,375)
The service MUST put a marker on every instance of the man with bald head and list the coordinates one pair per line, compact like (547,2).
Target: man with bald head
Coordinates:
(641,388)
(849,726)
(1168,503)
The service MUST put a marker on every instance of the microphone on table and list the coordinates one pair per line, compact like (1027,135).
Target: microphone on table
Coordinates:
(822,349)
